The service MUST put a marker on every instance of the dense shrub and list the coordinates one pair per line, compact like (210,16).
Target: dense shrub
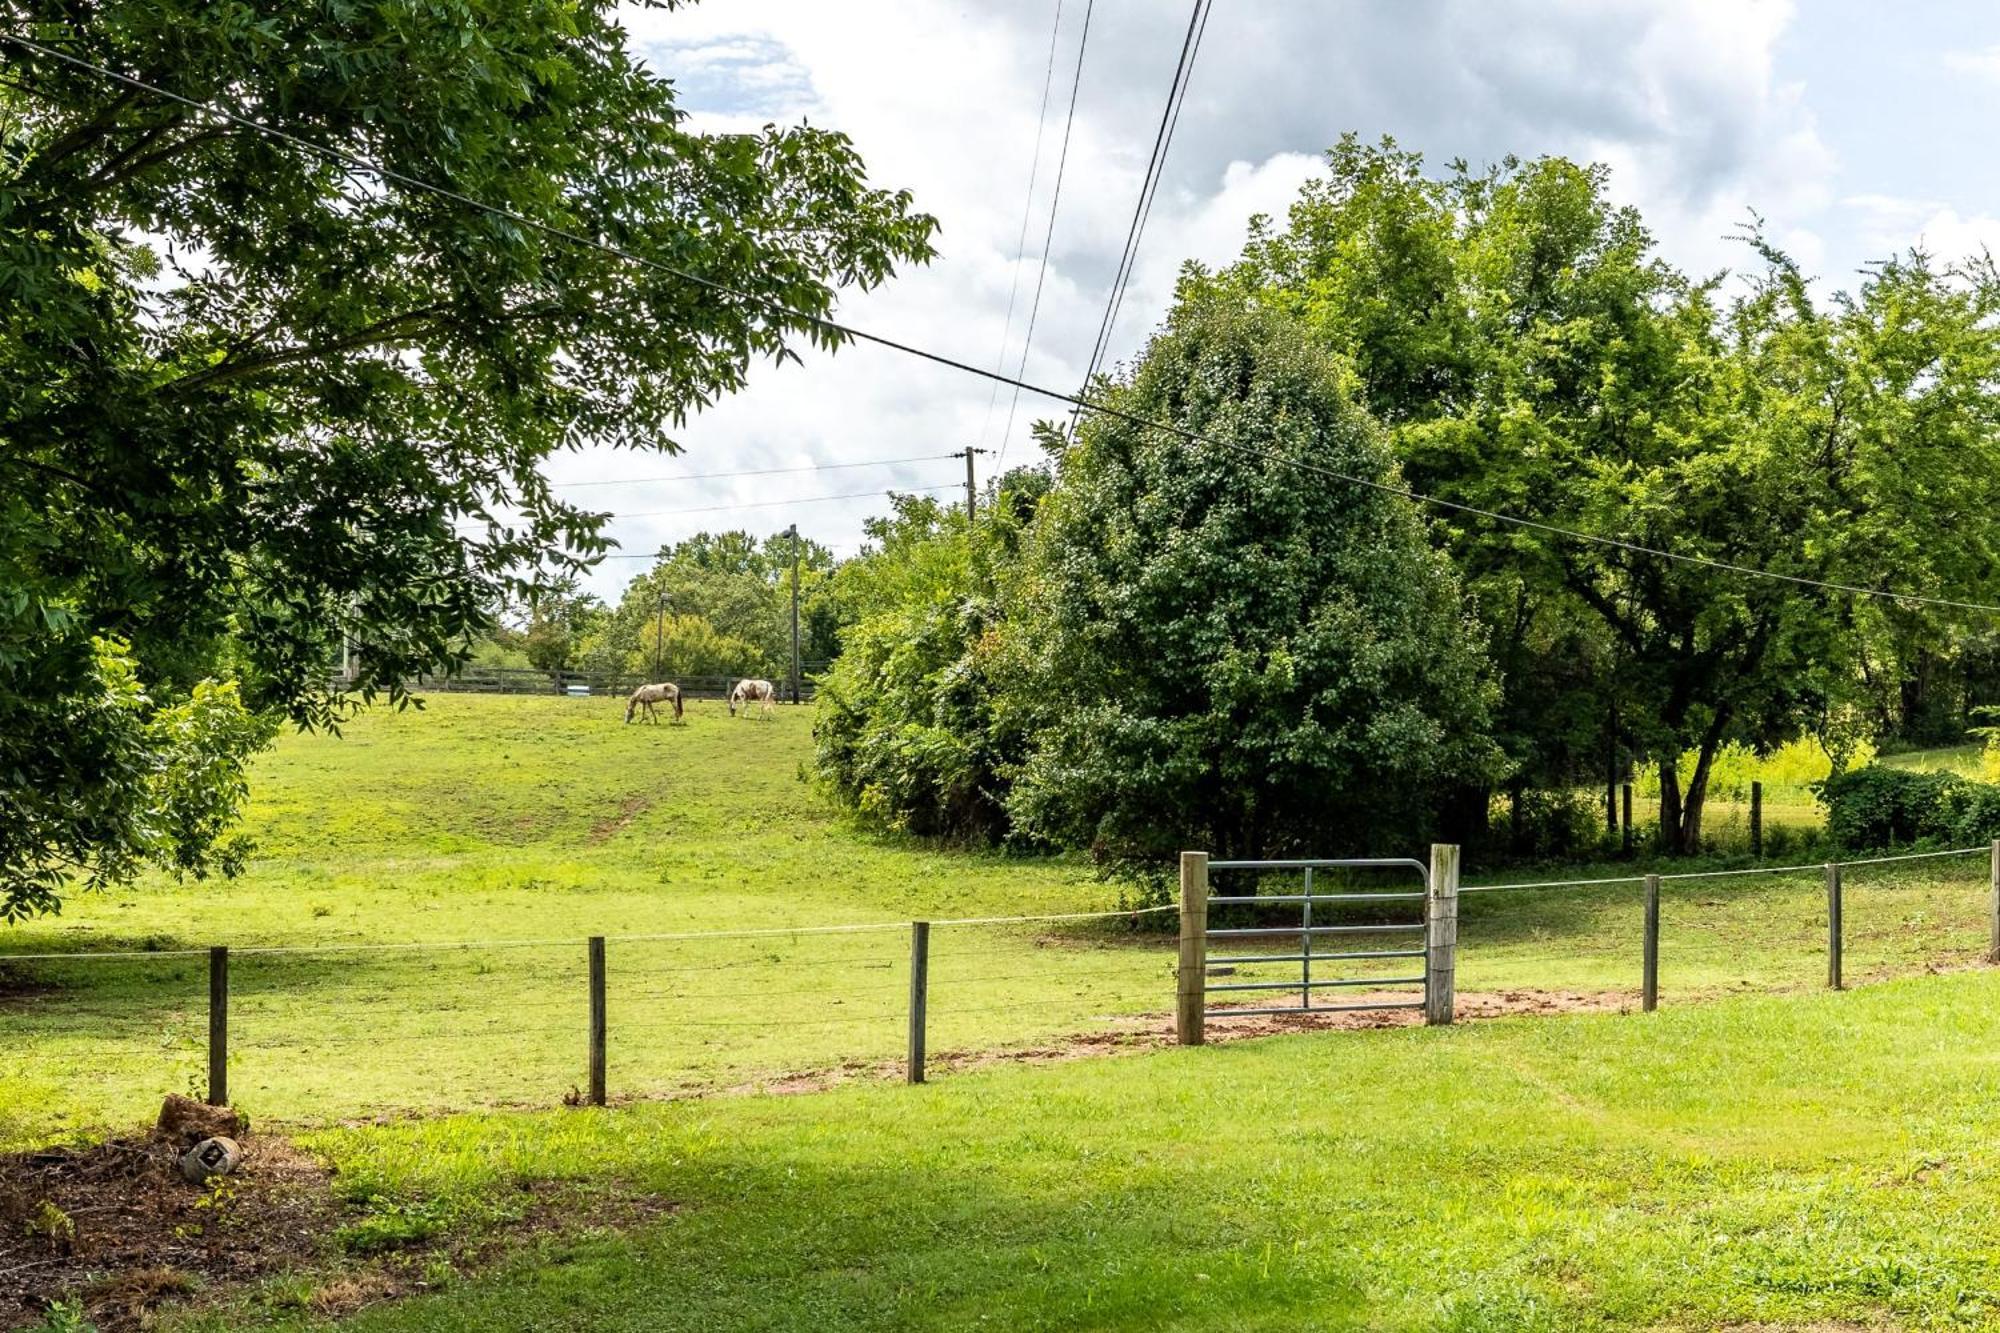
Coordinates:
(1245,644)
(1877,807)
(1547,825)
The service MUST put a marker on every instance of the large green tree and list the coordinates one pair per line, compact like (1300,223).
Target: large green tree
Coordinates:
(738,589)
(1533,355)
(253,396)
(912,727)
(1226,643)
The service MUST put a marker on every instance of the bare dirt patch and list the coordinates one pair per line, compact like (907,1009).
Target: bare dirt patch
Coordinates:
(604,830)
(1150,1031)
(116,1226)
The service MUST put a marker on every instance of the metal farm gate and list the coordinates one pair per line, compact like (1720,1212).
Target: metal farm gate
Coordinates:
(1429,937)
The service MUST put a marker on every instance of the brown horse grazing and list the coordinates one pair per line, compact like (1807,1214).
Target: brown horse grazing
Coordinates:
(648,695)
(749,692)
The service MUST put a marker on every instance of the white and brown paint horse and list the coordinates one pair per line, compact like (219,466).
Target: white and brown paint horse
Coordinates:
(747,692)
(646,696)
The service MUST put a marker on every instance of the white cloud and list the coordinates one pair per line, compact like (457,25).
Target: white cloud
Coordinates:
(1682,97)
(1984,62)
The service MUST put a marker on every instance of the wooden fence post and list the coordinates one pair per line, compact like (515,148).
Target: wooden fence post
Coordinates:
(920,987)
(218,1025)
(1191,999)
(1628,818)
(1993,902)
(1441,935)
(597,1024)
(1833,925)
(1756,818)
(1649,984)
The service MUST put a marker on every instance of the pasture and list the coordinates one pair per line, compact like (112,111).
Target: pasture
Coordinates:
(486,819)
(1821,1162)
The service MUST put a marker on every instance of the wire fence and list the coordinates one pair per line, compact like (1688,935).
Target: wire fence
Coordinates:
(316,1032)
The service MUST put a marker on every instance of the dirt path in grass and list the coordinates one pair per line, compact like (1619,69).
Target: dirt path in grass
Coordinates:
(1151,1031)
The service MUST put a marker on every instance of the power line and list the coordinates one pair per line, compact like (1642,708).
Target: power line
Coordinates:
(1027,211)
(1148,185)
(938,358)
(1048,235)
(753,472)
(779,504)
(1159,173)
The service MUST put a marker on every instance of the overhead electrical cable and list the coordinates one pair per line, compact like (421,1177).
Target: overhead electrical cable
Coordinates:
(1159,173)
(779,504)
(1027,211)
(1076,400)
(1148,185)
(1048,236)
(751,472)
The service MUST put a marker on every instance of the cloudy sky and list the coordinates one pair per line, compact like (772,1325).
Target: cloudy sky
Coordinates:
(1855,128)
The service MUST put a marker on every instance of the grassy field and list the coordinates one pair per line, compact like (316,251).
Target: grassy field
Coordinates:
(1821,1162)
(514,819)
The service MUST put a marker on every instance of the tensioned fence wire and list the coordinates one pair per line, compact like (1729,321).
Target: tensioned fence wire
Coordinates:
(1722,874)
(337,1030)
(1589,944)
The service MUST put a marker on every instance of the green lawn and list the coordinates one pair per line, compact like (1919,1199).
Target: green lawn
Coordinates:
(1819,1162)
(526,818)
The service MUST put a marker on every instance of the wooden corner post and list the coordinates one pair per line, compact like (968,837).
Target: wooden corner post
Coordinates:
(1191,997)
(1649,975)
(1833,929)
(597,1024)
(1993,903)
(218,1025)
(1441,935)
(1756,818)
(920,991)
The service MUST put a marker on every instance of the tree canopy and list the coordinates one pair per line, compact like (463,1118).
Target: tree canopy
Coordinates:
(1533,355)
(1229,644)
(254,400)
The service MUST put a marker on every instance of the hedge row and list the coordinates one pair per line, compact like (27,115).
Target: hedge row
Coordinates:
(1877,808)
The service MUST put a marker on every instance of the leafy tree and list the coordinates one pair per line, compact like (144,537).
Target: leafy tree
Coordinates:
(909,726)
(559,620)
(1217,645)
(250,395)
(739,586)
(687,645)
(1533,356)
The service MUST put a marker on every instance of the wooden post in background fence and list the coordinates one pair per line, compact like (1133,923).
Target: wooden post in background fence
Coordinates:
(218,1025)
(1649,980)
(1628,818)
(597,1024)
(1190,998)
(1441,935)
(1993,903)
(1833,925)
(920,991)
(1756,818)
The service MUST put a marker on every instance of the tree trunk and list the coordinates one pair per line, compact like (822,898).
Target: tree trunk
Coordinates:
(1681,808)
(1670,805)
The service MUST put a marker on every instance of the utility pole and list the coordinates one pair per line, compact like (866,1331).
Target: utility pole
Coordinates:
(971,487)
(659,633)
(793,532)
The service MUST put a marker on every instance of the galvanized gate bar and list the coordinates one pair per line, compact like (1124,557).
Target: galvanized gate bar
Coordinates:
(1314,985)
(1362,863)
(1310,898)
(1317,957)
(1315,930)
(1295,1010)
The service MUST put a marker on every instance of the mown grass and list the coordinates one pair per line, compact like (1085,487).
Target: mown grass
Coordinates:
(1819,1161)
(523,818)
